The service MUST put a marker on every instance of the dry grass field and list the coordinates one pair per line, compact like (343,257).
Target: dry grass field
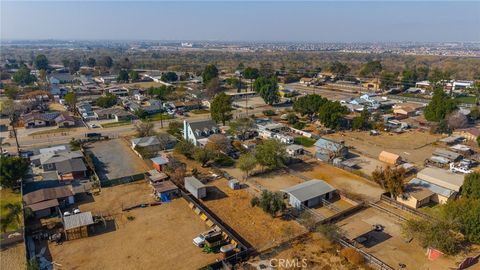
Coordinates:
(13,258)
(256,226)
(158,237)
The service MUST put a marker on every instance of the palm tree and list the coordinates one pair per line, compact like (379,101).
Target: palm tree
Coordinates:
(15,211)
(5,222)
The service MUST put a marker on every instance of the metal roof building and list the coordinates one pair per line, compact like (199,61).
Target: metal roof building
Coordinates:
(442,178)
(310,193)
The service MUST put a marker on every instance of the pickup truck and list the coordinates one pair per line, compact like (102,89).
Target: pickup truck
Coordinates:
(199,241)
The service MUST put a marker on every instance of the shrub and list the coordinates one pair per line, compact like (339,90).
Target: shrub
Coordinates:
(268,112)
(304,141)
(130,218)
(255,201)
(299,125)
(352,256)
(224,161)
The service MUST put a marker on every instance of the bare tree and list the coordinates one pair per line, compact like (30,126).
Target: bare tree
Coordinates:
(144,129)
(164,140)
(456,119)
(219,143)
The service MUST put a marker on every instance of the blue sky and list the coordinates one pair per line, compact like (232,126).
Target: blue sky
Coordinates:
(356,21)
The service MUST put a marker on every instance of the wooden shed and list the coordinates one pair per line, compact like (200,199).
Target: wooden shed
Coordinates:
(76,226)
(389,158)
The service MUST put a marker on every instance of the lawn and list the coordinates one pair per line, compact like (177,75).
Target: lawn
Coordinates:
(116,124)
(304,141)
(158,117)
(9,196)
(201,111)
(466,99)
(52,131)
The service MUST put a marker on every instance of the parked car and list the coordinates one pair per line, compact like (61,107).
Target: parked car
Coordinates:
(199,241)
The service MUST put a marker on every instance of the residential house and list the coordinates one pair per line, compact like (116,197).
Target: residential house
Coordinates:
(117,114)
(311,193)
(64,120)
(119,92)
(198,131)
(154,176)
(423,85)
(407,109)
(327,149)
(45,202)
(155,143)
(68,164)
(60,78)
(306,81)
(38,119)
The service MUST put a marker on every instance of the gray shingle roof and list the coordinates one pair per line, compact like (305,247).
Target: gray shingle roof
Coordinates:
(309,189)
(71,165)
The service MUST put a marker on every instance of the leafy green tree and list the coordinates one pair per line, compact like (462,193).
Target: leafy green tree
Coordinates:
(292,118)
(362,122)
(271,202)
(133,75)
(438,78)
(169,76)
(41,62)
(270,154)
(23,76)
(11,91)
(185,148)
(91,62)
(436,234)
(371,68)
(75,144)
(209,73)
(331,114)
(221,108)
(15,211)
(140,113)
(390,179)
(12,169)
(471,186)
(309,105)
(409,77)
(106,61)
(387,80)
(202,155)
(74,66)
(251,74)
(242,127)
(123,76)
(246,163)
(106,101)
(267,88)
(463,215)
(339,69)
(439,106)
(71,100)
(174,128)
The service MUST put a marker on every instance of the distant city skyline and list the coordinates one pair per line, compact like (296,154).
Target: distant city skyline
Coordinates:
(269,21)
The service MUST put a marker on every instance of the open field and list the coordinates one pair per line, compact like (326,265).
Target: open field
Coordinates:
(257,227)
(9,196)
(413,146)
(318,253)
(13,258)
(159,237)
(342,180)
(115,159)
(275,181)
(389,245)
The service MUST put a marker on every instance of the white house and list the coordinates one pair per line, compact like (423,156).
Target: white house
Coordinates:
(198,131)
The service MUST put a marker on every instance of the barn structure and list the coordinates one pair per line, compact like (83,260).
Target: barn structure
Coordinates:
(310,193)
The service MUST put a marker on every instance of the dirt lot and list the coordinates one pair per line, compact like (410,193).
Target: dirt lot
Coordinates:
(116,159)
(257,227)
(389,246)
(413,146)
(340,179)
(317,252)
(13,258)
(159,237)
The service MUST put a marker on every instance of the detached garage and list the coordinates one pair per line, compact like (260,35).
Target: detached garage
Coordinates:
(309,194)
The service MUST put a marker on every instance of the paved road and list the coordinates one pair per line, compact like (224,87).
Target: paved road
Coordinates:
(26,140)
